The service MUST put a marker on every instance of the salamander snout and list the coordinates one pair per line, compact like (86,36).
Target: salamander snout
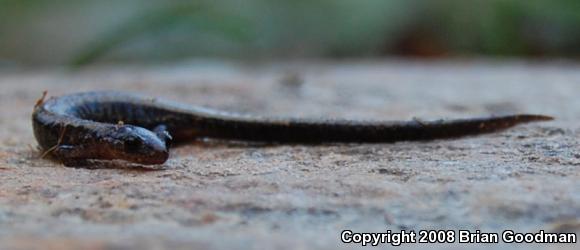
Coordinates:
(139,145)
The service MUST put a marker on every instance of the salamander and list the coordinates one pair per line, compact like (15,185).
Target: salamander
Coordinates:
(109,125)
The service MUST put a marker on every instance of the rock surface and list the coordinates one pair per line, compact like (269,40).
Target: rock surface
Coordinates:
(218,195)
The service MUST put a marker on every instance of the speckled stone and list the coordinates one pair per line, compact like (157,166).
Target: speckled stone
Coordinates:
(219,195)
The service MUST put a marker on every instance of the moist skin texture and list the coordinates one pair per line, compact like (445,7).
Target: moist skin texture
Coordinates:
(110,125)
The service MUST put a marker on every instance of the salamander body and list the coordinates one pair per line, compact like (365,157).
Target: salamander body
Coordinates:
(109,125)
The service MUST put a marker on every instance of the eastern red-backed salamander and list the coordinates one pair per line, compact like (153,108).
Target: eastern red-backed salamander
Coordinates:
(114,125)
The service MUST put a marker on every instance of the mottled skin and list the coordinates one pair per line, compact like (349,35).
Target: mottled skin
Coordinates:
(116,125)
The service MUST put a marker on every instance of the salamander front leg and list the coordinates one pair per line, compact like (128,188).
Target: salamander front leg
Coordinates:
(163,134)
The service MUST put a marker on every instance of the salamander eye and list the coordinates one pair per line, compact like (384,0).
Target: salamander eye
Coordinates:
(132,144)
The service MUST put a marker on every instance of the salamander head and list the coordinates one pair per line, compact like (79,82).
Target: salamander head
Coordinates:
(135,144)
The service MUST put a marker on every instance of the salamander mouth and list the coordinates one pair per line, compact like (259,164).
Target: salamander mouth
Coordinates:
(149,160)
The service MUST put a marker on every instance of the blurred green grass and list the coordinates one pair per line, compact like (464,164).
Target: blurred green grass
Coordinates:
(84,32)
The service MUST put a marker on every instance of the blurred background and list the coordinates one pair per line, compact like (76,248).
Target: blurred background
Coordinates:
(83,32)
